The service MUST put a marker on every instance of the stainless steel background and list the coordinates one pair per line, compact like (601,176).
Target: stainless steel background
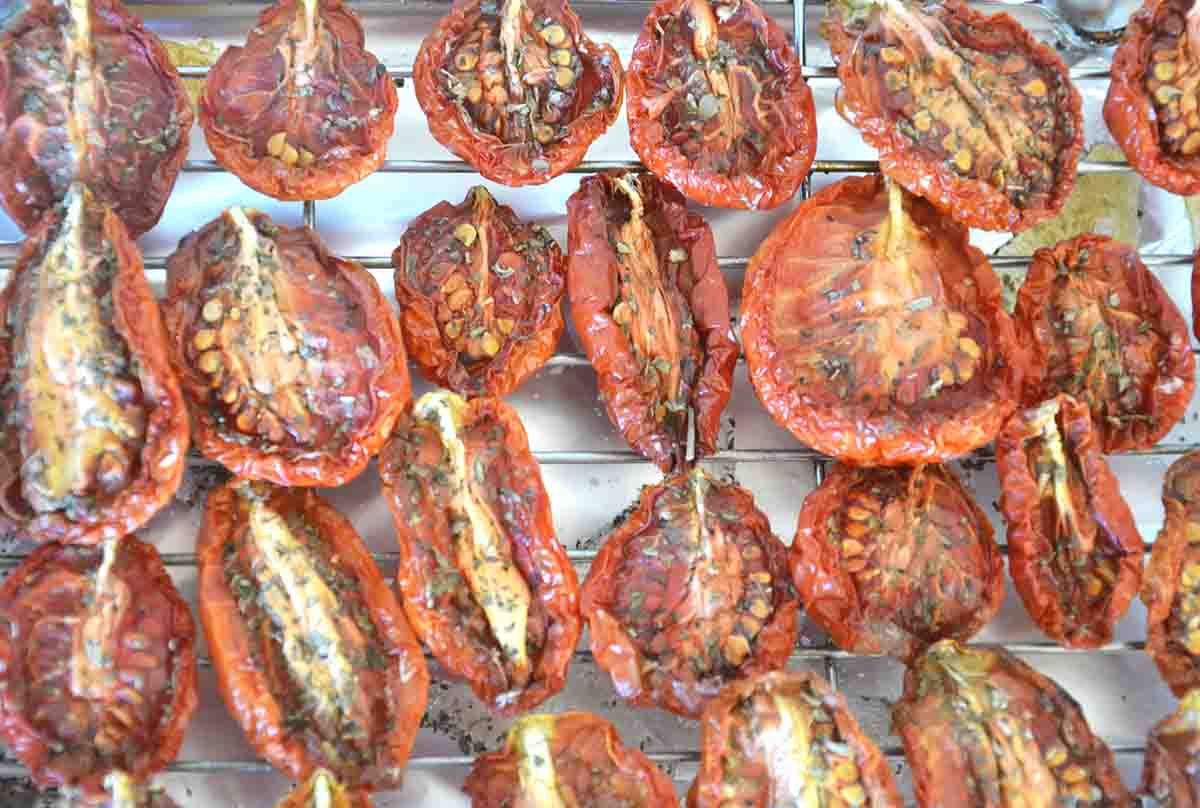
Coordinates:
(590,474)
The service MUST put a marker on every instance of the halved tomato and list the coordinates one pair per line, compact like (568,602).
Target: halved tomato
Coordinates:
(1173,757)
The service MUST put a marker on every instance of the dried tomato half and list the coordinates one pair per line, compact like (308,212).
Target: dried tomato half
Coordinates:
(875,332)
(313,654)
(1099,326)
(652,310)
(718,105)
(786,738)
(1074,550)
(1169,778)
(689,592)
(572,760)
(485,582)
(302,111)
(95,429)
(322,790)
(88,95)
(981,729)
(966,109)
(97,669)
(479,294)
(291,358)
(891,560)
(1153,103)
(516,89)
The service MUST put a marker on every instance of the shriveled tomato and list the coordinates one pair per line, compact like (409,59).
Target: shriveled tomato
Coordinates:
(313,654)
(483,577)
(875,332)
(87,95)
(322,790)
(892,560)
(291,358)
(516,88)
(302,111)
(97,669)
(95,429)
(689,592)
(968,110)
(1074,550)
(718,105)
(479,294)
(652,310)
(981,729)
(1100,327)
(1171,767)
(1153,103)
(786,738)
(570,760)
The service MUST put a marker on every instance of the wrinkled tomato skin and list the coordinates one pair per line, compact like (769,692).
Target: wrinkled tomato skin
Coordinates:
(732,771)
(899,426)
(642,589)
(141,713)
(596,109)
(239,131)
(594,274)
(130,160)
(591,763)
(950,588)
(1156,373)
(791,130)
(1169,769)
(255,684)
(318,293)
(530,305)
(496,444)
(1059,601)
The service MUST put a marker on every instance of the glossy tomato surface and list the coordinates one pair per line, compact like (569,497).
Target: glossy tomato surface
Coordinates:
(516,88)
(1074,550)
(1100,327)
(290,357)
(1171,767)
(97,668)
(479,293)
(570,760)
(302,110)
(483,577)
(313,655)
(87,95)
(981,729)
(96,429)
(689,592)
(718,105)
(650,305)
(891,560)
(875,332)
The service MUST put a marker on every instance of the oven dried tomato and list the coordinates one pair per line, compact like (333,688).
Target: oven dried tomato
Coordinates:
(1153,103)
(570,760)
(96,430)
(322,790)
(302,111)
(981,729)
(891,560)
(88,95)
(313,654)
(718,105)
(1099,326)
(689,592)
(786,738)
(291,358)
(1074,550)
(515,87)
(966,109)
(485,582)
(1172,760)
(97,669)
(875,332)
(651,308)
(479,294)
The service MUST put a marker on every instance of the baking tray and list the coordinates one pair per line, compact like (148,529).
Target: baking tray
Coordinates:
(590,474)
